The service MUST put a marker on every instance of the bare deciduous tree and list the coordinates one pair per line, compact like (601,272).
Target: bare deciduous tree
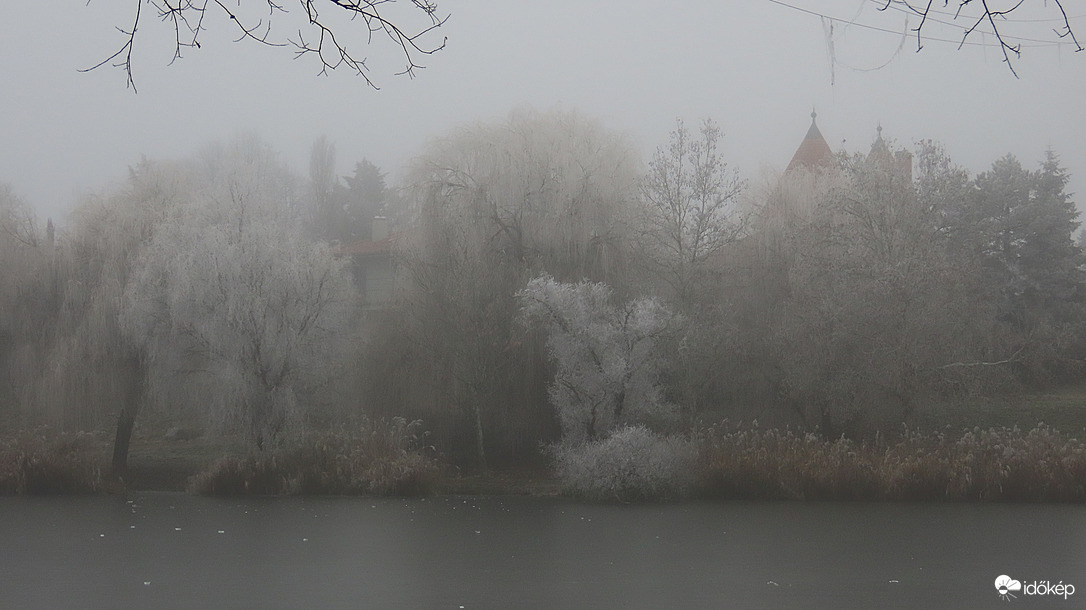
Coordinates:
(23,262)
(17,220)
(689,205)
(551,190)
(85,373)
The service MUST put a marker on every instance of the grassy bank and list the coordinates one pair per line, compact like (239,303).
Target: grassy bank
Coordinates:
(1062,408)
(990,463)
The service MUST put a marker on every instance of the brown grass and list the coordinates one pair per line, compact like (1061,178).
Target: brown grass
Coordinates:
(997,464)
(383,458)
(42,461)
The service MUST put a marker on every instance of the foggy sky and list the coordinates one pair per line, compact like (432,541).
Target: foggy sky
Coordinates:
(756,67)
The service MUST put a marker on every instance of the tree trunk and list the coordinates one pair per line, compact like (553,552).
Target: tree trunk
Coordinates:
(479,446)
(121,441)
(126,420)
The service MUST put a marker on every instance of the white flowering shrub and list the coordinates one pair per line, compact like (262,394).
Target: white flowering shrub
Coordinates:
(633,463)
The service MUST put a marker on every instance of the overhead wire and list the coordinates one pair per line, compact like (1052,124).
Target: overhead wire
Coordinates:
(1032,42)
(828,28)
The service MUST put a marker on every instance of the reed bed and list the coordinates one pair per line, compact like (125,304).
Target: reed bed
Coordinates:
(45,461)
(997,464)
(380,458)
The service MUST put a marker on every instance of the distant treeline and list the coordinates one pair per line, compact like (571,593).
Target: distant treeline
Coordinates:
(548,285)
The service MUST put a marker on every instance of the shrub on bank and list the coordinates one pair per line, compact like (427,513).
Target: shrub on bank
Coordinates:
(384,458)
(633,463)
(45,462)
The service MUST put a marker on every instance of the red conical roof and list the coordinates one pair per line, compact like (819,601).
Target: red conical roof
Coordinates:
(813,151)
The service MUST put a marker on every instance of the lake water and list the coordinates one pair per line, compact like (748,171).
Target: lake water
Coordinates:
(161,550)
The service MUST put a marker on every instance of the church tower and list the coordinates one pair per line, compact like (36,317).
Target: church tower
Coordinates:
(899,163)
(813,153)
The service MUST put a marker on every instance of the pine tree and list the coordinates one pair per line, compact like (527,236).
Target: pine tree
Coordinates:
(1027,222)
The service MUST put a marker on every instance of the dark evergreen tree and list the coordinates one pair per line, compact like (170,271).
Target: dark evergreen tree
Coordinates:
(342,210)
(363,198)
(1051,257)
(1024,224)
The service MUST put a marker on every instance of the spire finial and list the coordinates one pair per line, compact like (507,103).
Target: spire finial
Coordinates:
(813,115)
(879,130)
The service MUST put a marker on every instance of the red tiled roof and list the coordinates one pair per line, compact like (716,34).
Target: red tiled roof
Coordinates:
(813,151)
(366,247)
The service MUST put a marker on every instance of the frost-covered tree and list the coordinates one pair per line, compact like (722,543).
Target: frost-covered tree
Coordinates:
(73,366)
(23,260)
(607,356)
(326,211)
(235,313)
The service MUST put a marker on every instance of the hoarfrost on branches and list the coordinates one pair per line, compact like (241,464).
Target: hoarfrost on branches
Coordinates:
(229,294)
(607,356)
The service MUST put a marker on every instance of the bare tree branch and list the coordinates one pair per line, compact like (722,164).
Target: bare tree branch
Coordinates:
(327,41)
(987,15)
(126,50)
(1066,31)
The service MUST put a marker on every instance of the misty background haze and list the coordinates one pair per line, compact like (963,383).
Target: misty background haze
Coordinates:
(757,68)
(591,251)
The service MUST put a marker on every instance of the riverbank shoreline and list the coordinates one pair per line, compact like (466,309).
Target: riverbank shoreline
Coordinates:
(724,463)
(175,476)
(157,464)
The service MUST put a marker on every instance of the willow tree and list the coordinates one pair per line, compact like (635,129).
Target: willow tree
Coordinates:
(495,204)
(24,257)
(235,313)
(90,363)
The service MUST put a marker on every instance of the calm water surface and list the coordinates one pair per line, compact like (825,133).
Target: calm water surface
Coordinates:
(159,550)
